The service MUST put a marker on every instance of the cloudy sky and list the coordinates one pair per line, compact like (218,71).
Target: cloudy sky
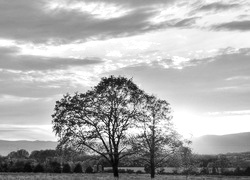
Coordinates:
(194,54)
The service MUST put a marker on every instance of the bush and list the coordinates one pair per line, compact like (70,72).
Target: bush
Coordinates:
(121,171)
(89,169)
(129,171)
(27,167)
(139,172)
(4,167)
(17,166)
(78,168)
(108,170)
(66,168)
(38,168)
(147,168)
(247,171)
(55,167)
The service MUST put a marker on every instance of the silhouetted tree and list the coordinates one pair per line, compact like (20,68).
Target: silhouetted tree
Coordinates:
(42,155)
(38,168)
(66,168)
(78,168)
(54,167)
(247,171)
(27,167)
(19,154)
(89,169)
(99,120)
(156,139)
(188,160)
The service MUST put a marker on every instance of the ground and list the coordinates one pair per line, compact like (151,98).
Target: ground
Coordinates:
(107,176)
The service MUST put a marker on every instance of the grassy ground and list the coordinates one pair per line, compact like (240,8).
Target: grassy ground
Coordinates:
(107,176)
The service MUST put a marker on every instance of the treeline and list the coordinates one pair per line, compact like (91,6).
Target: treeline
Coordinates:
(48,161)
(69,161)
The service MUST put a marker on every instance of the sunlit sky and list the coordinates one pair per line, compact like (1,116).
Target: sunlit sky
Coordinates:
(194,54)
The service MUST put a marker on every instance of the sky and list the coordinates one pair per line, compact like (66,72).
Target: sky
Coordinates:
(194,54)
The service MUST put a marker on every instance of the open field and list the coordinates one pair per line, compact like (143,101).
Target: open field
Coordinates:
(107,176)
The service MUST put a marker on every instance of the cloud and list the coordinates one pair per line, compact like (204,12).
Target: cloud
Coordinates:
(233,26)
(13,60)
(229,113)
(35,22)
(196,84)
(218,6)
(186,22)
(27,132)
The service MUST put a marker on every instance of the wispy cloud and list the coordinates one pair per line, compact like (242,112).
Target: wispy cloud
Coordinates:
(234,26)
(16,61)
(229,113)
(218,6)
(26,132)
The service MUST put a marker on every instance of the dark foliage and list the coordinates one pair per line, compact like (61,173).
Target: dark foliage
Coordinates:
(78,168)
(89,169)
(17,166)
(38,168)
(27,167)
(66,168)
(99,119)
(54,167)
(247,171)
(42,155)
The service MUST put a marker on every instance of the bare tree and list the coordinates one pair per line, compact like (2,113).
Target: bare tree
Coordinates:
(156,139)
(100,119)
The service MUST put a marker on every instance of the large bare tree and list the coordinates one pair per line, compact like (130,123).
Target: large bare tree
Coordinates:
(101,119)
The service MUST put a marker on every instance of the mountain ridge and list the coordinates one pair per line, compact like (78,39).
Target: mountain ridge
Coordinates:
(207,144)
(222,144)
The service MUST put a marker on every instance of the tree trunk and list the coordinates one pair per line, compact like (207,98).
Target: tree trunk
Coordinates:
(152,168)
(152,153)
(115,170)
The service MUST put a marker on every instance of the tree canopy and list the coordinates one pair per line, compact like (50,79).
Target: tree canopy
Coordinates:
(156,138)
(100,119)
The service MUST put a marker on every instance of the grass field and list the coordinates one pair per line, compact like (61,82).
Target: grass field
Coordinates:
(107,176)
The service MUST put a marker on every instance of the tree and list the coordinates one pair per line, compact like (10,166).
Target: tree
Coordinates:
(66,168)
(38,168)
(54,167)
(42,155)
(89,169)
(100,119)
(187,160)
(27,167)
(156,139)
(19,154)
(78,168)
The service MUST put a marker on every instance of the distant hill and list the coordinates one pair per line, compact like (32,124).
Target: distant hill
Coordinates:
(213,144)
(7,146)
(209,144)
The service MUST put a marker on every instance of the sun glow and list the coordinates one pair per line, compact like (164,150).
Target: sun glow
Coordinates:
(191,124)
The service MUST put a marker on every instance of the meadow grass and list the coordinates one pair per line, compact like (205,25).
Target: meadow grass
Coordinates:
(107,176)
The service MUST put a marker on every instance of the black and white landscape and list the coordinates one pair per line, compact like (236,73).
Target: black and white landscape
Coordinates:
(129,77)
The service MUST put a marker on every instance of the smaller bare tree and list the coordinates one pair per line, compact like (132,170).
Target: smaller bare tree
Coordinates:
(156,139)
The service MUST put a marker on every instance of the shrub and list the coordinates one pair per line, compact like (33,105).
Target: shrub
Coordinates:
(17,166)
(66,168)
(121,171)
(147,168)
(55,167)
(27,167)
(78,168)
(108,170)
(247,171)
(38,168)
(89,169)
(139,172)
(129,171)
